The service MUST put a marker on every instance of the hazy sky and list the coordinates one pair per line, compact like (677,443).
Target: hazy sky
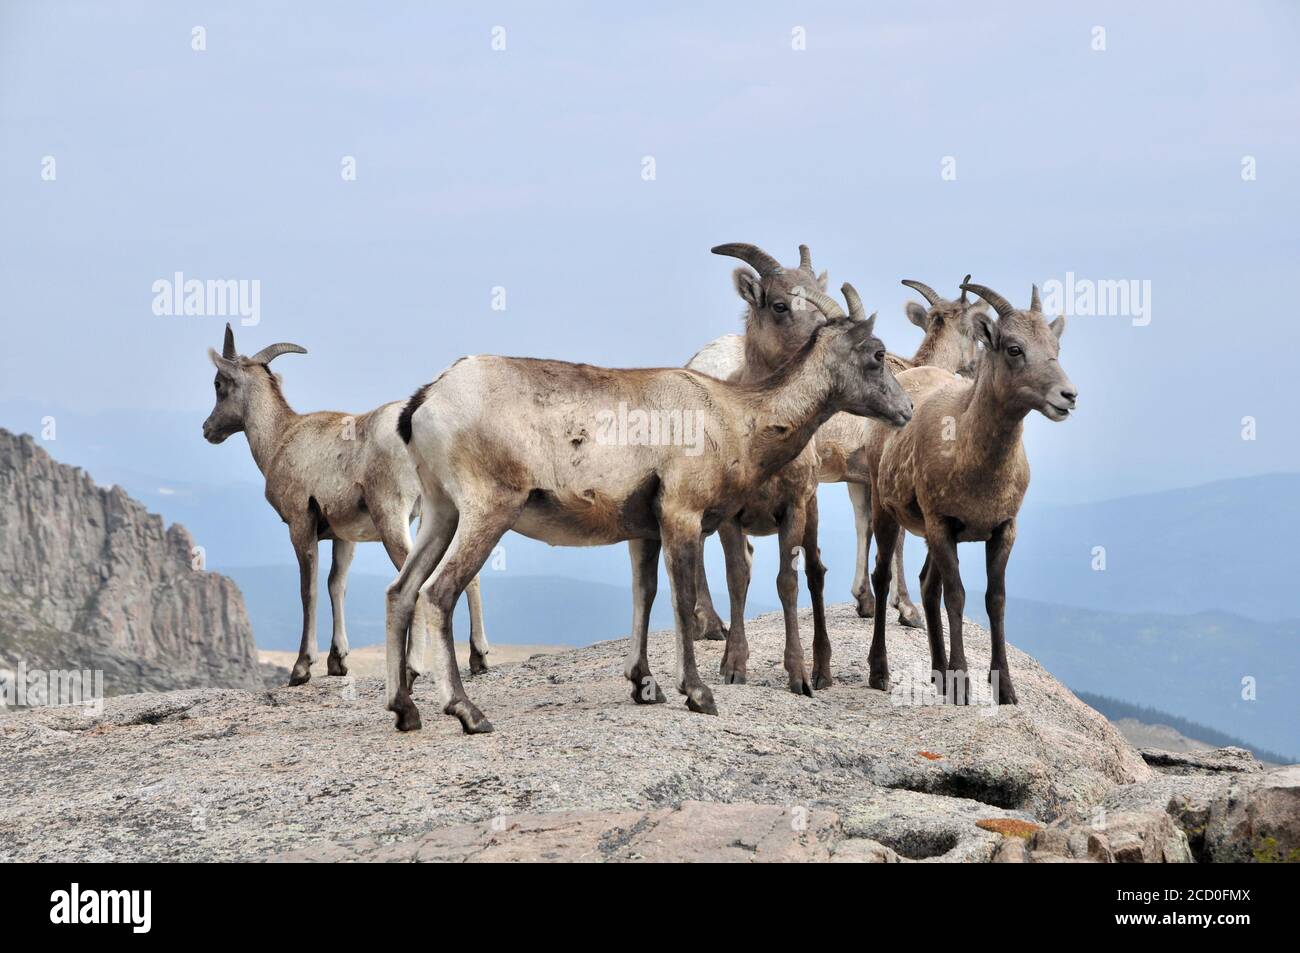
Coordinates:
(523,168)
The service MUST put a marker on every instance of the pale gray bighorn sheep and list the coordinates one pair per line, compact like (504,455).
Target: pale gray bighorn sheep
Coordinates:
(329,476)
(958,473)
(516,443)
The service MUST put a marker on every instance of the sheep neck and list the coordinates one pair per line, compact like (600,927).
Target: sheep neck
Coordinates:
(787,411)
(988,429)
(269,416)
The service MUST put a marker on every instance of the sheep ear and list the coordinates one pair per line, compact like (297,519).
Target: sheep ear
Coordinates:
(1058,326)
(916,314)
(823,278)
(986,330)
(749,287)
(228,348)
(229,368)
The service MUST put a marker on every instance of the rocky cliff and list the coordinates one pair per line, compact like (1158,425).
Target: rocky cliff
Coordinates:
(576,771)
(89,579)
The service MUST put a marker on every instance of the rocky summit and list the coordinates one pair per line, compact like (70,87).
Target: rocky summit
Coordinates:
(576,771)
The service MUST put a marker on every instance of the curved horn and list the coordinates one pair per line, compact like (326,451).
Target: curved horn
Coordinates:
(856,311)
(825,303)
(228,348)
(751,255)
(964,298)
(805,259)
(926,291)
(269,353)
(1035,304)
(1000,304)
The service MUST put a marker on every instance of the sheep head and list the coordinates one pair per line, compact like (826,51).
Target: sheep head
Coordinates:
(238,380)
(1022,355)
(780,320)
(855,360)
(949,327)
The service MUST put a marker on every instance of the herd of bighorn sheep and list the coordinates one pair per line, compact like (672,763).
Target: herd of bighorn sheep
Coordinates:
(806,395)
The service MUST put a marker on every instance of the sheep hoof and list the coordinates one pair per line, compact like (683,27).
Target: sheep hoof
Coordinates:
(1006,691)
(301,673)
(733,677)
(879,678)
(472,721)
(800,686)
(335,666)
(866,605)
(408,716)
(822,680)
(477,663)
(646,691)
(909,617)
(709,628)
(700,700)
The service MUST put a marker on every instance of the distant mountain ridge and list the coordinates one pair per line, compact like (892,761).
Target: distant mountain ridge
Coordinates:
(1223,545)
(89,579)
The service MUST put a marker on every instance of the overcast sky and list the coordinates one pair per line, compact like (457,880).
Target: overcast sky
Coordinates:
(525,168)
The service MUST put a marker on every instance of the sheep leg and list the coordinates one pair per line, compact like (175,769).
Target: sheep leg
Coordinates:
(907,612)
(477,532)
(942,544)
(860,497)
(395,531)
(682,550)
(645,583)
(791,536)
(931,593)
(815,573)
(338,585)
(886,530)
(478,642)
(708,624)
(740,559)
(304,545)
(996,553)
(401,606)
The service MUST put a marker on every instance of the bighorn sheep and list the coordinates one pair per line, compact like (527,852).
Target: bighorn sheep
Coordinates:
(958,473)
(779,320)
(781,317)
(949,344)
(517,443)
(329,476)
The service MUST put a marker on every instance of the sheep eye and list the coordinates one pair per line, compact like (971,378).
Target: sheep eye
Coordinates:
(1015,350)
(780,307)
(880,357)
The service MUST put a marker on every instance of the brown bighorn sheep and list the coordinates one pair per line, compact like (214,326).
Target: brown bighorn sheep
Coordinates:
(780,319)
(516,443)
(958,473)
(949,343)
(329,476)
